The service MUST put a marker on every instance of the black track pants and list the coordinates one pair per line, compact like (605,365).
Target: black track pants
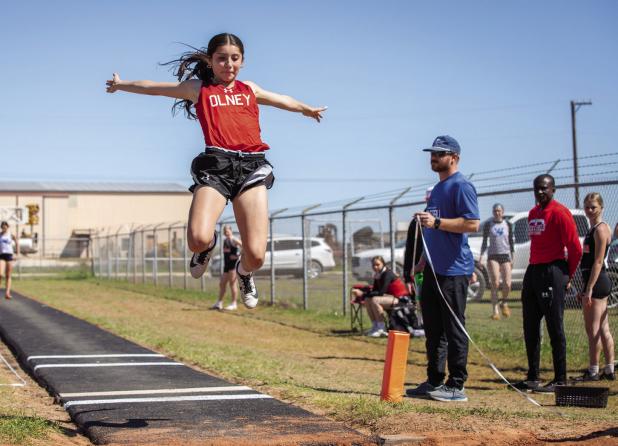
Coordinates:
(444,338)
(543,296)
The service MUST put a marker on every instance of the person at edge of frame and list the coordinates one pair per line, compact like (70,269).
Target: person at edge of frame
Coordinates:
(597,287)
(552,230)
(452,212)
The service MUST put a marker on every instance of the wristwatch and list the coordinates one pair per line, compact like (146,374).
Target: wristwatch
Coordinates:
(436,223)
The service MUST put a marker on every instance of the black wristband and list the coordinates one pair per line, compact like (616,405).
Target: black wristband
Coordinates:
(436,223)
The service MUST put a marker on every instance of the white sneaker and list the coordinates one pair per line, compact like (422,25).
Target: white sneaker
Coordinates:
(418,333)
(217,306)
(247,288)
(199,261)
(231,307)
(378,333)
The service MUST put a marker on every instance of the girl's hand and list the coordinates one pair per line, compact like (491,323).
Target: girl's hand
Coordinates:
(315,113)
(112,85)
(587,298)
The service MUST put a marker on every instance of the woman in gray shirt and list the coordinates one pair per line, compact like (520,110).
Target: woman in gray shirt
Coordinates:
(499,232)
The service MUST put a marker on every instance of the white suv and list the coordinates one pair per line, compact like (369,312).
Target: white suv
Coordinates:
(289,257)
(361,261)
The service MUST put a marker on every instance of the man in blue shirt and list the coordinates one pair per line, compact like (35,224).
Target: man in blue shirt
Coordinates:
(452,212)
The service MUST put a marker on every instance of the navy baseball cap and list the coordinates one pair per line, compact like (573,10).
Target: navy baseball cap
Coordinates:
(444,144)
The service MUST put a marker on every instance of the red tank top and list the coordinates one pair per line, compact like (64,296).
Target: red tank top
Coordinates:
(230,117)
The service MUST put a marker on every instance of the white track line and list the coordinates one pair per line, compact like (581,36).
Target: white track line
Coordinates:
(97,364)
(20,384)
(156,391)
(167,399)
(119,355)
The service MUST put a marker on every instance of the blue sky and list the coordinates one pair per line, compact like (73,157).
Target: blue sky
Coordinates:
(498,76)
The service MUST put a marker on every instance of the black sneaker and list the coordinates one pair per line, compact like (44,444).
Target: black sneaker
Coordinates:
(527,386)
(607,376)
(550,387)
(247,288)
(422,390)
(199,261)
(586,376)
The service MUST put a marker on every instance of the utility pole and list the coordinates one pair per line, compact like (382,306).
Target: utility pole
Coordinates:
(574,107)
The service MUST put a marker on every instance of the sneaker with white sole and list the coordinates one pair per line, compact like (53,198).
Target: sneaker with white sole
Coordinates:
(418,333)
(231,307)
(448,394)
(217,306)
(422,390)
(247,288)
(378,333)
(199,260)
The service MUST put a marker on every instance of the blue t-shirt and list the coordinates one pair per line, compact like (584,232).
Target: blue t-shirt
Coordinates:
(453,197)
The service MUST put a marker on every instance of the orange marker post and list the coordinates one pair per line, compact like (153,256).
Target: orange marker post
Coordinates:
(395,366)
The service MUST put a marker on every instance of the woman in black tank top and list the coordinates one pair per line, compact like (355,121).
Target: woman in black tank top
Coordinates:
(231,254)
(597,287)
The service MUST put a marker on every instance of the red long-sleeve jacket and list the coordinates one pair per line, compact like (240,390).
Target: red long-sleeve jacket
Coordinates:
(552,229)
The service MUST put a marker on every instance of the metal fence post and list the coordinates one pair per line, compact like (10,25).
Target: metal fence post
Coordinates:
(391,228)
(305,259)
(344,212)
(129,256)
(143,257)
(184,257)
(109,257)
(117,259)
(221,253)
(134,253)
(272,253)
(154,256)
(169,255)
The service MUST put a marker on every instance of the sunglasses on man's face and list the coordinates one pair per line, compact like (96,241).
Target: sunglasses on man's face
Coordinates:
(441,154)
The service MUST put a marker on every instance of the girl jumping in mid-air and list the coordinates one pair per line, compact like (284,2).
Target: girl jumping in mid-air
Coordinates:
(233,166)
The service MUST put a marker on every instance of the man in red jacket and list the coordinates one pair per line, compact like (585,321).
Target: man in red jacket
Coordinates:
(552,231)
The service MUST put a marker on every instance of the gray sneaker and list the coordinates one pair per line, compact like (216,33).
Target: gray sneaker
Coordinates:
(448,394)
(422,390)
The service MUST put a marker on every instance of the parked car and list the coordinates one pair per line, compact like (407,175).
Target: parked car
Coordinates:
(289,257)
(521,238)
(361,261)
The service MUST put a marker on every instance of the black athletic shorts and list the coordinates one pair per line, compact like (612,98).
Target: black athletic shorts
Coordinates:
(602,288)
(500,258)
(231,172)
(229,266)
(6,257)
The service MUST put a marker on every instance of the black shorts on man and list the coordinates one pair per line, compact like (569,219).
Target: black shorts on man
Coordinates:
(230,172)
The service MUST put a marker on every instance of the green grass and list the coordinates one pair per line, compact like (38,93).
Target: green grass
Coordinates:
(306,357)
(22,429)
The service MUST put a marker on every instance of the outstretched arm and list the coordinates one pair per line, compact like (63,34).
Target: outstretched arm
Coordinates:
(184,90)
(284,102)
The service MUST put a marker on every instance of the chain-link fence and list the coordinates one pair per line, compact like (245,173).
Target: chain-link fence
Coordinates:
(315,254)
(318,255)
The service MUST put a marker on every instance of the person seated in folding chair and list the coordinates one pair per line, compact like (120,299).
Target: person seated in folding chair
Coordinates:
(387,288)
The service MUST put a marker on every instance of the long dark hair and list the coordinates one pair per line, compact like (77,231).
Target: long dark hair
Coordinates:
(193,65)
